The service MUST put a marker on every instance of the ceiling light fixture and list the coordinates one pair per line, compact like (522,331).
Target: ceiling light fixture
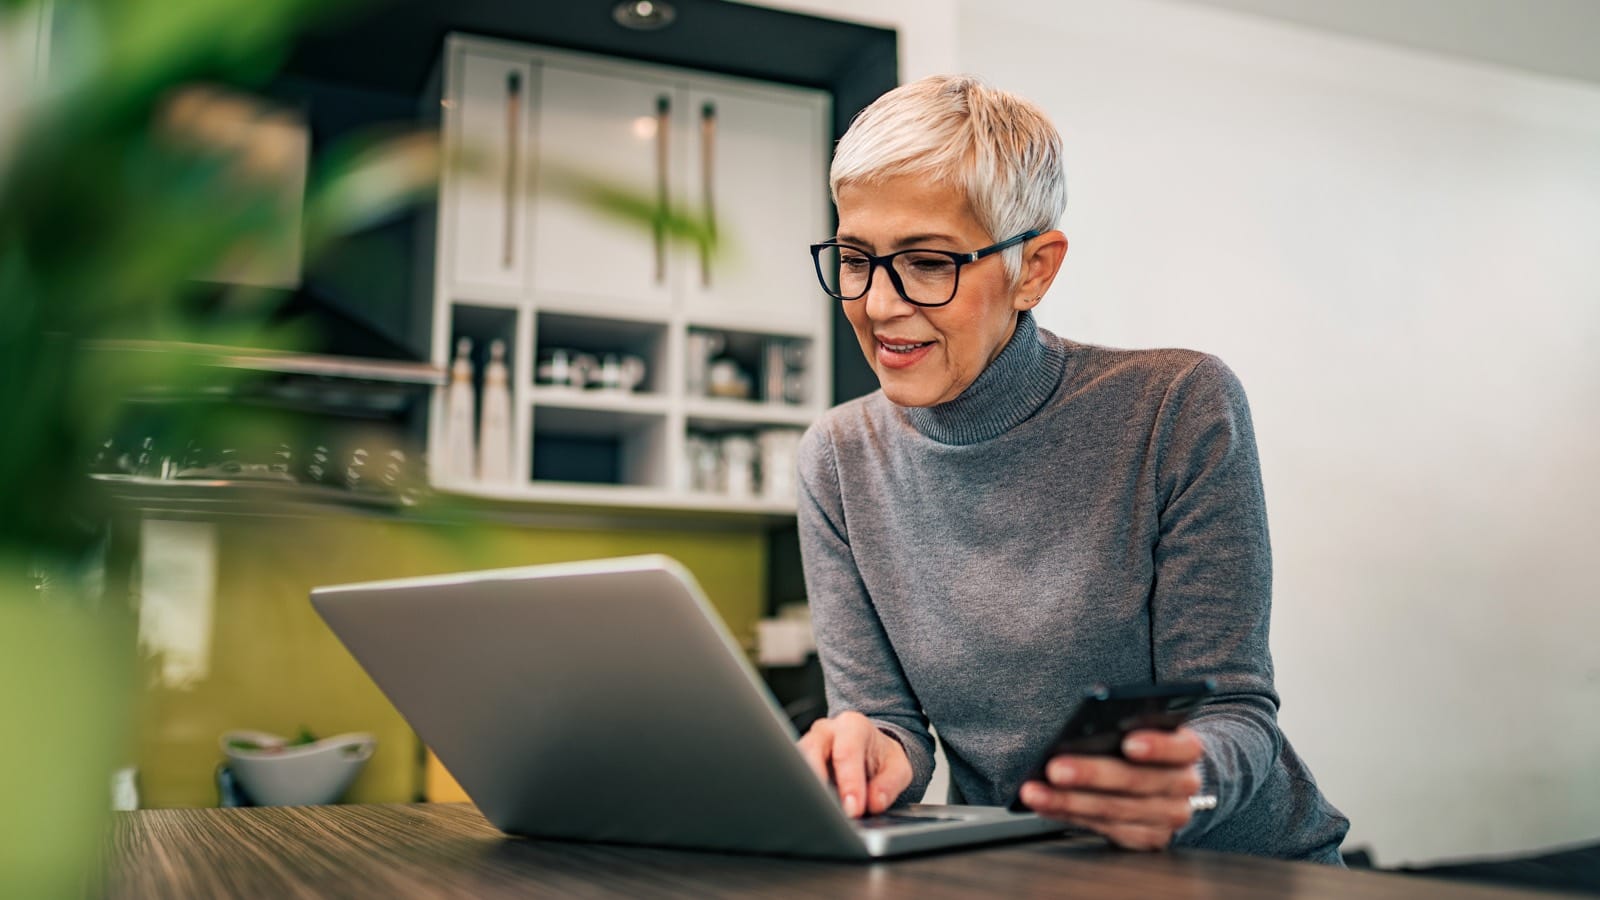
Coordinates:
(644,15)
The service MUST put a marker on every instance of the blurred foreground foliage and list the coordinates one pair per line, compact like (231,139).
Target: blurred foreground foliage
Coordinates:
(109,206)
(115,195)
(113,198)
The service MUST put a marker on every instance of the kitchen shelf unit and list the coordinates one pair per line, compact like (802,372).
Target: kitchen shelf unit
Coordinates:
(523,258)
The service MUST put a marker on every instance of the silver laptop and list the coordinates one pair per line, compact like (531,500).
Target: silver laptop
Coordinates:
(606,701)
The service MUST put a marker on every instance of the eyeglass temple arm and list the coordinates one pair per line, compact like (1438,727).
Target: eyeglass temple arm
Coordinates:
(1028,235)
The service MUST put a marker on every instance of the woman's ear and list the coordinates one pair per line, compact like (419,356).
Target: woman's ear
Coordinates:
(1041,260)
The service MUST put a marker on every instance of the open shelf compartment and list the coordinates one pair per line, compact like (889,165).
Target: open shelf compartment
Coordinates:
(586,354)
(774,370)
(599,446)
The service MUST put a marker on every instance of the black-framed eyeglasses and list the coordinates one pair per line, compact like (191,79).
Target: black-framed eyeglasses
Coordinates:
(923,277)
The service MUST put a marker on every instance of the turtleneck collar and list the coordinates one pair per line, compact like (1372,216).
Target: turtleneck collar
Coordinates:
(1007,393)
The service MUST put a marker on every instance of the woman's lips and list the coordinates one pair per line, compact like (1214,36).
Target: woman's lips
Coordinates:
(901,354)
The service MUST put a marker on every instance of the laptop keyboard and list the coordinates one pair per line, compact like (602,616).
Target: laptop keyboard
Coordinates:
(890,820)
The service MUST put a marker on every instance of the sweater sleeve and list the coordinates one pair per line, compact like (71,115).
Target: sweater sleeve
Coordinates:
(860,669)
(1212,596)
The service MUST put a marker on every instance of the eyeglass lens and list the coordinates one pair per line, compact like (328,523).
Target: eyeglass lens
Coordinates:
(925,277)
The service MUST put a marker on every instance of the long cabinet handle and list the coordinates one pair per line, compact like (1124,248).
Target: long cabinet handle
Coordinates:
(513,151)
(663,140)
(708,167)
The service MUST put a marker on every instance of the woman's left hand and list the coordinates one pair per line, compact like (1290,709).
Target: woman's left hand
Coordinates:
(1139,802)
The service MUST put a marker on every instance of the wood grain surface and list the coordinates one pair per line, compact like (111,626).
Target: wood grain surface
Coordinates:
(448,850)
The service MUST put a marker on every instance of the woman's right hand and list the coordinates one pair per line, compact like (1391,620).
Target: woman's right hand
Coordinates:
(869,768)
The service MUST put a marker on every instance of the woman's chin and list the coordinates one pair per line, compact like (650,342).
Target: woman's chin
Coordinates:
(903,391)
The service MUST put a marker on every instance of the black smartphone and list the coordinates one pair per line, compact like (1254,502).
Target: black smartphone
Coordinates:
(1106,715)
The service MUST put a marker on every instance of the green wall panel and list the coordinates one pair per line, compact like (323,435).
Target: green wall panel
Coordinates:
(271,665)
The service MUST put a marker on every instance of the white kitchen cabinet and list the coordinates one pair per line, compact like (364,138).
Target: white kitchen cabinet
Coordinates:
(604,128)
(755,165)
(529,259)
(488,125)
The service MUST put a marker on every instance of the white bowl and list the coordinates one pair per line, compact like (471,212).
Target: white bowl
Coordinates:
(307,775)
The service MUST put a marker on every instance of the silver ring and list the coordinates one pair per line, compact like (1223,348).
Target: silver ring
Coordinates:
(1203,802)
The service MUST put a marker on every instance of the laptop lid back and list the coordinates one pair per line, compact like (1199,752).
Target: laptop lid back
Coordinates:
(597,701)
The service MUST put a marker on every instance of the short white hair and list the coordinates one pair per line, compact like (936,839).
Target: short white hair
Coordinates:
(996,147)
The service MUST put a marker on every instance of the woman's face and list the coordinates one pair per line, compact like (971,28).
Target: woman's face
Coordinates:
(927,355)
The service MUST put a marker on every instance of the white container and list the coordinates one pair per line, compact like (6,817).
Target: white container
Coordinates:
(700,347)
(778,449)
(494,430)
(702,470)
(307,775)
(784,642)
(461,413)
(739,466)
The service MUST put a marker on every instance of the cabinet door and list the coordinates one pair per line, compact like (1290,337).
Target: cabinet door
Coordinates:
(599,132)
(758,165)
(491,134)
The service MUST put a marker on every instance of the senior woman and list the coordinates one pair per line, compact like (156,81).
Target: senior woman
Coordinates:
(1015,516)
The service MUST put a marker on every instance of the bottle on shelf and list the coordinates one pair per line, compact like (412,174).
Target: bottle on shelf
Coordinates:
(702,346)
(461,457)
(777,449)
(739,466)
(494,434)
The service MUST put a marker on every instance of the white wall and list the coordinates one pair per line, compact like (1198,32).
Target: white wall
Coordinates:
(1400,256)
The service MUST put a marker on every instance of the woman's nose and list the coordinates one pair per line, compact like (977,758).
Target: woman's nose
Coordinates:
(883,300)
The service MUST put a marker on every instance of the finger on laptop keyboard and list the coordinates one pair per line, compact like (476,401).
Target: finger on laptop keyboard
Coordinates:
(815,747)
(851,733)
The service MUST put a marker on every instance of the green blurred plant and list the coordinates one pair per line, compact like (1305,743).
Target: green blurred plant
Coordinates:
(111,203)
(108,209)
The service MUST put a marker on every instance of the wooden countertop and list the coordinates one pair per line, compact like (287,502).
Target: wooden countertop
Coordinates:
(449,850)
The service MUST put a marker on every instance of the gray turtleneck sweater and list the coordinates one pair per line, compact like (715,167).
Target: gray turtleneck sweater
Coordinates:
(1078,515)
